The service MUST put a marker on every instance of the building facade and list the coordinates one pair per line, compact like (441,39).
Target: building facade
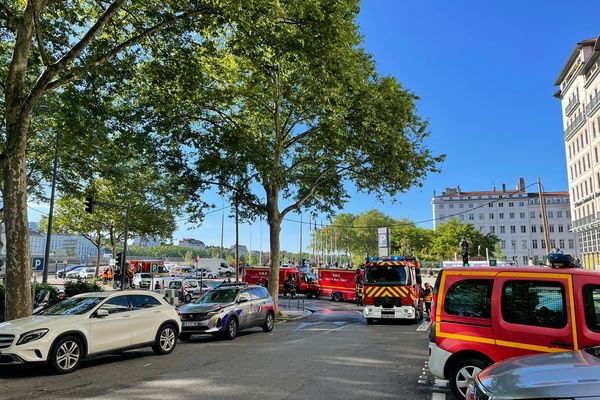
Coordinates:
(147,241)
(579,84)
(60,245)
(514,216)
(195,243)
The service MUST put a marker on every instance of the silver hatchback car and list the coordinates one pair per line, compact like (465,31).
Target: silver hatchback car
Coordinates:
(227,310)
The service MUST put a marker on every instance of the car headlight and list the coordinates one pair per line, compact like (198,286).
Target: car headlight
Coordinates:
(212,313)
(32,335)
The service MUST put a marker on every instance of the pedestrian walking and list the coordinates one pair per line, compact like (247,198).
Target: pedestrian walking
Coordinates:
(292,286)
(427,296)
(130,278)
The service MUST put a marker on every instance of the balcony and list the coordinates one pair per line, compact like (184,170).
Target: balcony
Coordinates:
(572,106)
(585,223)
(593,105)
(574,126)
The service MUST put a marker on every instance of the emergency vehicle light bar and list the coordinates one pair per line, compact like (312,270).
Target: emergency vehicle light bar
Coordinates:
(392,258)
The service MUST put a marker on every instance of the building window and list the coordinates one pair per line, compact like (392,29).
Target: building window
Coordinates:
(534,244)
(550,214)
(490,204)
(500,204)
(511,215)
(568,213)
(513,229)
(522,215)
(561,228)
(491,216)
(503,244)
(541,228)
(533,228)
(571,243)
(561,243)
(502,229)
(524,244)
(532,214)
(523,229)
(501,216)
(511,204)
(521,204)
(551,228)
(441,206)
(461,205)
(543,243)
(470,205)
(552,243)
(450,205)
(481,216)
(471,217)
(559,214)
(492,229)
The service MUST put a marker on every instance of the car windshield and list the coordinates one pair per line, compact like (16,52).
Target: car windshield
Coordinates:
(175,285)
(386,274)
(219,296)
(73,306)
(310,277)
(146,276)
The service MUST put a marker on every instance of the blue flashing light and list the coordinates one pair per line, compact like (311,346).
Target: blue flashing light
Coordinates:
(397,258)
(372,258)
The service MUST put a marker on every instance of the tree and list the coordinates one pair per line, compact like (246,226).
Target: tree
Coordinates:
(449,235)
(46,46)
(290,112)
(406,237)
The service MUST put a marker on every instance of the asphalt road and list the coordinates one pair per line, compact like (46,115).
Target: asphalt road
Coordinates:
(332,354)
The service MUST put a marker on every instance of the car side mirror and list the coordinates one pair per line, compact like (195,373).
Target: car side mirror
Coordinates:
(102,313)
(242,300)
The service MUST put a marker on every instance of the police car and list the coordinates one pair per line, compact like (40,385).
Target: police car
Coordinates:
(226,310)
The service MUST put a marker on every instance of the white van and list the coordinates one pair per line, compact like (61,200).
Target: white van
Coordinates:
(217,265)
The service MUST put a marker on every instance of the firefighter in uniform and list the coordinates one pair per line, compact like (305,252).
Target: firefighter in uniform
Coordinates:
(358,283)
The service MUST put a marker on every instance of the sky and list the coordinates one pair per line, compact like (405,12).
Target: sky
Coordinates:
(484,72)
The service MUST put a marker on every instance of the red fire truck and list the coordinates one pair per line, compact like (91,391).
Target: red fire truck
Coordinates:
(339,284)
(155,266)
(392,288)
(306,282)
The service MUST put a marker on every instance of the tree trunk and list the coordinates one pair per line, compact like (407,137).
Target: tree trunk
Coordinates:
(18,267)
(274,221)
(98,246)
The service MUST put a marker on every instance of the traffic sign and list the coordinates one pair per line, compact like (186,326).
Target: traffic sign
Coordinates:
(492,263)
(154,268)
(37,263)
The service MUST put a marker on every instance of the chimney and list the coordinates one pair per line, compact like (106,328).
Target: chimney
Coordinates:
(494,190)
(521,184)
(503,187)
(458,189)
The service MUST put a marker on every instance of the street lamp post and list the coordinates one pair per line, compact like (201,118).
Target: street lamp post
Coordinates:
(50,214)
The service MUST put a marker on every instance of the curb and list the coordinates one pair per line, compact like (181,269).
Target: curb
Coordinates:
(289,317)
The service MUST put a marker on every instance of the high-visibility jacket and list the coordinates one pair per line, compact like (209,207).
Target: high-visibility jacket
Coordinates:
(427,295)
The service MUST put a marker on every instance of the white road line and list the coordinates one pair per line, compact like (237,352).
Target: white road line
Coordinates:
(438,396)
(424,326)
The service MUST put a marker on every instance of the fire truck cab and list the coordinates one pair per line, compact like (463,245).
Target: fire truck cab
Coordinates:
(392,288)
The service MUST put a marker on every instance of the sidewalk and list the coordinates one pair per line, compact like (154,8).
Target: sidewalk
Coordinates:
(292,309)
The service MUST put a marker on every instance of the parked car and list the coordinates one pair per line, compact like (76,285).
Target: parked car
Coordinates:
(142,280)
(74,273)
(85,273)
(62,272)
(566,375)
(189,289)
(483,315)
(227,310)
(208,274)
(90,324)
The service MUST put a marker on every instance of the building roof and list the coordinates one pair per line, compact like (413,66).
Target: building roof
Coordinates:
(499,193)
(565,69)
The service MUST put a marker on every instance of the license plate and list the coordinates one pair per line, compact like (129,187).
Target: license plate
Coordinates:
(191,323)
(387,315)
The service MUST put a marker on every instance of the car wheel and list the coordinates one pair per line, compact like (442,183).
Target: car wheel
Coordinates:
(336,296)
(210,276)
(231,329)
(461,372)
(269,322)
(188,298)
(185,336)
(66,354)
(166,339)
(370,321)
(228,274)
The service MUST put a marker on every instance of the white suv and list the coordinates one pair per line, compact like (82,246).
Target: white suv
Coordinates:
(90,324)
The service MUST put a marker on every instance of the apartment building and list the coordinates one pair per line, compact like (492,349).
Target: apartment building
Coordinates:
(514,216)
(579,84)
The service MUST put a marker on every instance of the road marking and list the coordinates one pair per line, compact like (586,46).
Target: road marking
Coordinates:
(424,326)
(438,396)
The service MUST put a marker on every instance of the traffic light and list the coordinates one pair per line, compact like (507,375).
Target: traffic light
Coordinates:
(119,260)
(90,203)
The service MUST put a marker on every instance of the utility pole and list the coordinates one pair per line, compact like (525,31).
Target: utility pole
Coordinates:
(237,243)
(126,237)
(222,225)
(544,217)
(260,250)
(301,239)
(50,214)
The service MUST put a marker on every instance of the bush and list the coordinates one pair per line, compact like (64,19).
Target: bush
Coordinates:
(80,286)
(53,292)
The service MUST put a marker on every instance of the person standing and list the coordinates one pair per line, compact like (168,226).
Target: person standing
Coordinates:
(427,297)
(358,283)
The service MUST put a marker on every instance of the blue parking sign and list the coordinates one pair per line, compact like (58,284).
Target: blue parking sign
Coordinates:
(37,263)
